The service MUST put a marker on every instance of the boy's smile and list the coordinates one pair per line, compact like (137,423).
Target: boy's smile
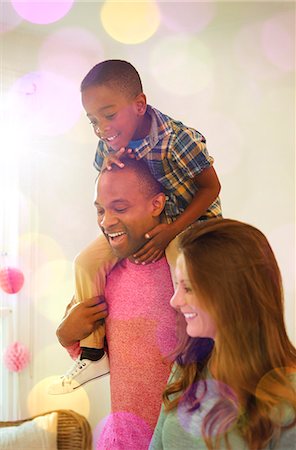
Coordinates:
(116,119)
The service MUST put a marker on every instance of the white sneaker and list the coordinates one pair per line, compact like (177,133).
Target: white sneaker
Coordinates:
(82,371)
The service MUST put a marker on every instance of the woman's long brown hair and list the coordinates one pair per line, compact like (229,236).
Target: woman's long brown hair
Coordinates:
(233,269)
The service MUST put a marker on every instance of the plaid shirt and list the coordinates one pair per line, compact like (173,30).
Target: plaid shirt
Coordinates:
(175,154)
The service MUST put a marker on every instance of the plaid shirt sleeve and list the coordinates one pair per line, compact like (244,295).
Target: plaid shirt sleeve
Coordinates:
(101,153)
(190,152)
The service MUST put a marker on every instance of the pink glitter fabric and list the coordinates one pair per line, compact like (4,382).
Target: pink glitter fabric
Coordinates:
(141,330)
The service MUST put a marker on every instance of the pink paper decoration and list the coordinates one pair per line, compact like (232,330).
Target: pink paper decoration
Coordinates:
(11,279)
(16,357)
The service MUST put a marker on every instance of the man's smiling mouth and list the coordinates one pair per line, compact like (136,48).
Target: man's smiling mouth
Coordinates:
(113,236)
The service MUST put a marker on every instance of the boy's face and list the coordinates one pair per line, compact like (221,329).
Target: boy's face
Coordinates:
(124,212)
(116,118)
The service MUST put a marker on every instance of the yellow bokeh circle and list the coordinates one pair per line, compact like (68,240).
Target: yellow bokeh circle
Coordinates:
(181,65)
(130,22)
(39,401)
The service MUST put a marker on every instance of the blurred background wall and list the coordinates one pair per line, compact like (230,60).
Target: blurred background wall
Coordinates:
(224,68)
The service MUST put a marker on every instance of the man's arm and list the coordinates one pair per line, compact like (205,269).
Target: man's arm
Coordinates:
(81,320)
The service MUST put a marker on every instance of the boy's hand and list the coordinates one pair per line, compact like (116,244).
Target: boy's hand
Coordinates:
(115,158)
(159,238)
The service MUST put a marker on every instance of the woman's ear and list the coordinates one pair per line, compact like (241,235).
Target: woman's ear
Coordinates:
(158,203)
(141,104)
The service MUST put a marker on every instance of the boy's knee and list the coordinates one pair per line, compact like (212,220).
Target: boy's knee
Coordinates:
(82,260)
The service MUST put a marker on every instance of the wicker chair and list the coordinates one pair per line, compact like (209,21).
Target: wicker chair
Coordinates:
(73,430)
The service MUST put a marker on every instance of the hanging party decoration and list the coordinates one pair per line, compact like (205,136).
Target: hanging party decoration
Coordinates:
(11,279)
(16,357)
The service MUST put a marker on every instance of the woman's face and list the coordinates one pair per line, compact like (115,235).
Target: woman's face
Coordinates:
(185,300)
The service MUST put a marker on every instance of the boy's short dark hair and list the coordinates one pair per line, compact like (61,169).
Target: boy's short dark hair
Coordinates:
(116,73)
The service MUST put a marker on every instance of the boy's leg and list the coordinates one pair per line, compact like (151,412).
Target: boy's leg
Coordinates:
(92,266)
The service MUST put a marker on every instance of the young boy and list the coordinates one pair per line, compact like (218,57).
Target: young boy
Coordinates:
(113,98)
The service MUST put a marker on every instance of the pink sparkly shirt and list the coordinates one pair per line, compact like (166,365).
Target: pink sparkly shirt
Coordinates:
(140,331)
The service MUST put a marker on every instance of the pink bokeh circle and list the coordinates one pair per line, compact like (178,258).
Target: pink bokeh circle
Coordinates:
(45,103)
(278,41)
(43,11)
(211,394)
(190,18)
(9,19)
(79,51)
(122,430)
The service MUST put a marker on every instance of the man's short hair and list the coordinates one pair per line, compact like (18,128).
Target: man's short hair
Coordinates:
(149,186)
(115,73)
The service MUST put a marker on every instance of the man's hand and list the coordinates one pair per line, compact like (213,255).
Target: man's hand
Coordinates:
(115,158)
(81,320)
(159,238)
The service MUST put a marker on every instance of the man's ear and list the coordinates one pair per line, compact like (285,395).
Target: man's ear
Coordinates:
(158,203)
(141,104)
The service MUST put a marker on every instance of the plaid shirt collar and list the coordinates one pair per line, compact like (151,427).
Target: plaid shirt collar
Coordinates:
(160,127)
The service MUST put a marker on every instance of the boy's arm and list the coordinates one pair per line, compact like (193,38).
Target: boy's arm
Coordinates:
(160,236)
(208,190)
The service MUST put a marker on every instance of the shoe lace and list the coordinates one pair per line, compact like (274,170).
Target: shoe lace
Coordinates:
(74,369)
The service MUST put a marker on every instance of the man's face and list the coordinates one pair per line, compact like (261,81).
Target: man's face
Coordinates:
(115,117)
(125,214)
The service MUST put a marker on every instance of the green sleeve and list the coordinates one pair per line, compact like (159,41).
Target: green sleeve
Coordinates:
(156,441)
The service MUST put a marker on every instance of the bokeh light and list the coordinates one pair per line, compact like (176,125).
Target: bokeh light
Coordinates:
(78,51)
(40,401)
(45,102)
(181,65)
(9,19)
(127,428)
(28,213)
(226,142)
(53,288)
(187,17)
(226,417)
(130,22)
(36,249)
(42,11)
(166,339)
(278,40)
(15,135)
(249,54)
(281,414)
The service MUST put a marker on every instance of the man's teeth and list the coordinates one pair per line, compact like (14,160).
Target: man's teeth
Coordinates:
(113,235)
(190,315)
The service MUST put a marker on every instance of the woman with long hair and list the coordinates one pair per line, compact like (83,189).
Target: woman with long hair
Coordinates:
(233,384)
